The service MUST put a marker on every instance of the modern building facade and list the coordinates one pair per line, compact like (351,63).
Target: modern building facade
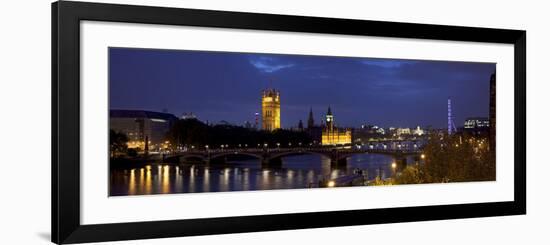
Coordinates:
(141,126)
(271,110)
(477,125)
(476,122)
(333,135)
(402,131)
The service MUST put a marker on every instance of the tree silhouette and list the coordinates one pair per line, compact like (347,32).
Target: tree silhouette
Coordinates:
(118,143)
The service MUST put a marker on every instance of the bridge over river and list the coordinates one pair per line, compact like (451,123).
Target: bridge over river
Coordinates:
(271,156)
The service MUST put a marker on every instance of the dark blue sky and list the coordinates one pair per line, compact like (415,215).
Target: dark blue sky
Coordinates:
(227,86)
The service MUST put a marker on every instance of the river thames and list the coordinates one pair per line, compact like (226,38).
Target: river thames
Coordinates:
(303,171)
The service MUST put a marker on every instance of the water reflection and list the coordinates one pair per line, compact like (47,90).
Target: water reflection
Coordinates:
(132,183)
(166,179)
(295,172)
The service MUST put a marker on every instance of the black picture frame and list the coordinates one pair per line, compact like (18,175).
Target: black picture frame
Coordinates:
(66,17)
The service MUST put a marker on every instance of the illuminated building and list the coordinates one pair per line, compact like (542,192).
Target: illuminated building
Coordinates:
(402,131)
(476,122)
(141,125)
(477,126)
(271,110)
(418,131)
(332,135)
(371,129)
(187,116)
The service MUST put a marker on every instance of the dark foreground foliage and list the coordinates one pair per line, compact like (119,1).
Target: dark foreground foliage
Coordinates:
(192,132)
(455,158)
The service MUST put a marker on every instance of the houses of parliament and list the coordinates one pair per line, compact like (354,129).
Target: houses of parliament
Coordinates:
(327,134)
(271,110)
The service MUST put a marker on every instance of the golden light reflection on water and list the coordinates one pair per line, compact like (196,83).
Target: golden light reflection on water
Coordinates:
(224,180)
(310,176)
(148,180)
(325,166)
(141,178)
(166,179)
(335,173)
(265,179)
(178,185)
(192,178)
(132,182)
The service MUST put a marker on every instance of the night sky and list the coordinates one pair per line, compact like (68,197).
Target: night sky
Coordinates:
(227,86)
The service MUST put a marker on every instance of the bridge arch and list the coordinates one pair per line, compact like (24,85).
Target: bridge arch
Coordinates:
(192,156)
(237,153)
(296,153)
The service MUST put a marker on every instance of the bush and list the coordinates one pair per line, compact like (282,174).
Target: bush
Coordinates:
(410,175)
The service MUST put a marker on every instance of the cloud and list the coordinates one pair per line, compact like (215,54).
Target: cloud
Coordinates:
(269,64)
(387,63)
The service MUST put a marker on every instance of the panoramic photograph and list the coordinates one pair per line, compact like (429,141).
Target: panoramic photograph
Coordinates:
(183,121)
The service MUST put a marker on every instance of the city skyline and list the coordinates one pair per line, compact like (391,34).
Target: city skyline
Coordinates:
(218,86)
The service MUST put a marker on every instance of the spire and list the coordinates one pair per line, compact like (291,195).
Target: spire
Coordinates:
(310,121)
(300,125)
(330,119)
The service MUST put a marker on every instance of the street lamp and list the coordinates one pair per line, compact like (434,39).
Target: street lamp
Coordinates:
(393,168)
(422,156)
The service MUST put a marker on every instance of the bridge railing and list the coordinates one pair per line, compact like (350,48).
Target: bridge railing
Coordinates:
(296,149)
